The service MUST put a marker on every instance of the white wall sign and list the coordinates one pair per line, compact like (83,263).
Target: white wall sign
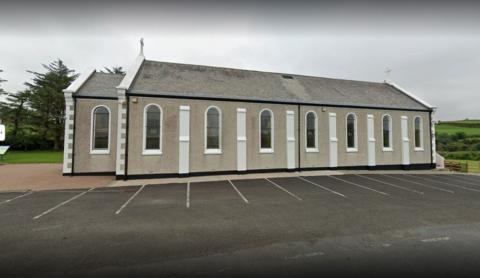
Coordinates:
(2,133)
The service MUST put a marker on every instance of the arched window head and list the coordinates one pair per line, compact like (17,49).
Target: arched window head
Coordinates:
(100,130)
(387,132)
(266,131)
(213,130)
(418,124)
(152,129)
(351,132)
(311,131)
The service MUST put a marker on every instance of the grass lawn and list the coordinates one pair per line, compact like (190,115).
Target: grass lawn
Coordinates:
(473,166)
(15,157)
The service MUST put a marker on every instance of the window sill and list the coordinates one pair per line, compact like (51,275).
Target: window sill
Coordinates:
(419,149)
(352,150)
(99,151)
(311,150)
(213,151)
(266,150)
(387,149)
(151,152)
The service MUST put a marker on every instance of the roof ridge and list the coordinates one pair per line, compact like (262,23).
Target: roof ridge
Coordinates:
(269,72)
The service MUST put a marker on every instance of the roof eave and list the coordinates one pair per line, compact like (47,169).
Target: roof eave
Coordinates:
(414,97)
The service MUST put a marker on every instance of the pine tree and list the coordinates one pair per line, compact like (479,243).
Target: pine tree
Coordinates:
(47,100)
(116,70)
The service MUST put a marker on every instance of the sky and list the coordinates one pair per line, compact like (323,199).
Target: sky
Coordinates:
(431,48)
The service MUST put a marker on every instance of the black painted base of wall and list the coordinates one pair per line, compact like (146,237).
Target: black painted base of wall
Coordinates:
(424,166)
(90,174)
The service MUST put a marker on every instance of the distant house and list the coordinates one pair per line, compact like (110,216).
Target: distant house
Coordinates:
(166,119)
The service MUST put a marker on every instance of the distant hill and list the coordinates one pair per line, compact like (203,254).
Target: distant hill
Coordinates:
(471,128)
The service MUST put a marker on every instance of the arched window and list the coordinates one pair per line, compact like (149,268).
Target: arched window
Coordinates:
(266,131)
(311,131)
(100,140)
(418,125)
(213,130)
(351,132)
(152,129)
(387,132)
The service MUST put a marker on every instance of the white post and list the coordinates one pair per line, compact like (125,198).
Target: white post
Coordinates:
(68,137)
(371,140)
(290,121)
(121,133)
(405,141)
(332,131)
(434,146)
(184,140)
(241,140)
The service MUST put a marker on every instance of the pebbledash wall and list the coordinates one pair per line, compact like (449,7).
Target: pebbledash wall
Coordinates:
(139,165)
(182,133)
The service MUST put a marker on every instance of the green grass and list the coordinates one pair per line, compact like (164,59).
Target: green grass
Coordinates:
(452,129)
(17,157)
(473,166)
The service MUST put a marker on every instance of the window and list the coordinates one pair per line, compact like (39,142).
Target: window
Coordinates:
(152,130)
(213,130)
(351,132)
(387,133)
(100,130)
(266,131)
(311,131)
(418,125)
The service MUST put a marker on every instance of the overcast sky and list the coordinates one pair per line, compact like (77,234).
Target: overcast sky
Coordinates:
(433,49)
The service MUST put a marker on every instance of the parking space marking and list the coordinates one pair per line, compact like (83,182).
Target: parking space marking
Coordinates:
(463,181)
(421,184)
(323,187)
(63,203)
(18,197)
(435,239)
(238,191)
(130,199)
(286,191)
(361,186)
(391,184)
(187,202)
(451,184)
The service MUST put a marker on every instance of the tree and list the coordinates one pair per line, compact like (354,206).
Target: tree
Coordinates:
(1,81)
(115,70)
(47,100)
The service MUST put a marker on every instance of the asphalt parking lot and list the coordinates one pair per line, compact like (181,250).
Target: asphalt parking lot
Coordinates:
(376,224)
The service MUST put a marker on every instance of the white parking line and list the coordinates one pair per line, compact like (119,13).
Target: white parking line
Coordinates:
(391,184)
(286,191)
(18,197)
(435,239)
(323,187)
(421,184)
(361,186)
(63,203)
(130,199)
(187,203)
(238,191)
(451,184)
(462,180)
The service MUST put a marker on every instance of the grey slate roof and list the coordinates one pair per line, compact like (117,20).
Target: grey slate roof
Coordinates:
(100,85)
(172,79)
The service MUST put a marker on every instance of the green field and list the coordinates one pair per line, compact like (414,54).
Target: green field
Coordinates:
(16,157)
(469,127)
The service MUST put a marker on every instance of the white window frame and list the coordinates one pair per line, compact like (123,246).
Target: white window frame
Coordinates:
(355,137)
(266,150)
(152,151)
(390,134)
(315,149)
(421,148)
(219,149)
(92,130)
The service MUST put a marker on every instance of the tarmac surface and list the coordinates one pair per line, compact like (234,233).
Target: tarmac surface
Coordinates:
(344,225)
